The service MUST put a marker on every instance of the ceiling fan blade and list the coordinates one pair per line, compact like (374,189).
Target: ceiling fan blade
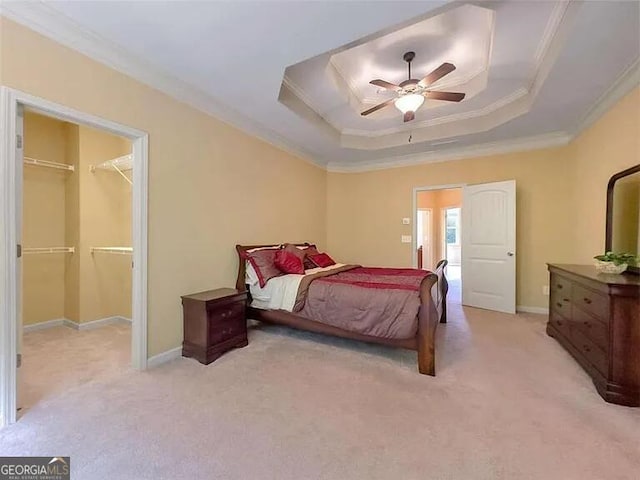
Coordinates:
(378,107)
(409,116)
(447,96)
(437,74)
(385,84)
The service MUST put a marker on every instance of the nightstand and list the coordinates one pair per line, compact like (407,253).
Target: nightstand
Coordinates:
(214,322)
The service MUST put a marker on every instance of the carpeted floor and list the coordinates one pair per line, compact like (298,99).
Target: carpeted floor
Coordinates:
(508,403)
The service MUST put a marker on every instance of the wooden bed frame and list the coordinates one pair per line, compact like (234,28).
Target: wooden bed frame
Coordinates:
(430,314)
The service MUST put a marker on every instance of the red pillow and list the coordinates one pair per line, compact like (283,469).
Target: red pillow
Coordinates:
(288,262)
(310,250)
(263,262)
(321,260)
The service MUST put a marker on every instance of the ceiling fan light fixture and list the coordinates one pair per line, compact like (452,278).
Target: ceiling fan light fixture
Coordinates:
(409,103)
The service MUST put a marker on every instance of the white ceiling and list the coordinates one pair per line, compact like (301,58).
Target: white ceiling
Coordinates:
(549,66)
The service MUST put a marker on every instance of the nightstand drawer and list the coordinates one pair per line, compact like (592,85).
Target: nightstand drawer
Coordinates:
(219,332)
(219,314)
(591,302)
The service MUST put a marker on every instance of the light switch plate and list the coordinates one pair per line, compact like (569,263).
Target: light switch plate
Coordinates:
(406,221)
(406,239)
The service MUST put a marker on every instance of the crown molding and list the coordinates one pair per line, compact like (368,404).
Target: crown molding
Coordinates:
(626,82)
(47,21)
(550,140)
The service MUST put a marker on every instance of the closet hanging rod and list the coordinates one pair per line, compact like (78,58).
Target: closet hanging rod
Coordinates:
(40,250)
(46,163)
(116,250)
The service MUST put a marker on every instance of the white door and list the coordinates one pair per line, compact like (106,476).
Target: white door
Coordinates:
(489,246)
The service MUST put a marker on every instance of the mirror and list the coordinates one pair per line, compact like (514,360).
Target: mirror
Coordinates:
(623,213)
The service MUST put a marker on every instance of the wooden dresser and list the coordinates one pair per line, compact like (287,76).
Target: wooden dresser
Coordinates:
(214,322)
(596,318)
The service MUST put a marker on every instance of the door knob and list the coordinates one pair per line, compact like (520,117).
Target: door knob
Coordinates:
(511,254)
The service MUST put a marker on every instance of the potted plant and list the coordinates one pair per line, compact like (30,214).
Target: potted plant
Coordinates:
(615,262)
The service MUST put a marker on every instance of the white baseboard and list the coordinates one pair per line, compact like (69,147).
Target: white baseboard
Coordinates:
(525,309)
(96,323)
(56,322)
(164,357)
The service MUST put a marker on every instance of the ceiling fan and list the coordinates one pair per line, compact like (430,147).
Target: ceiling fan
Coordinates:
(412,92)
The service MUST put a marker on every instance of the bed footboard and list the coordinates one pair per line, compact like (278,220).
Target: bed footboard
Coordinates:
(433,310)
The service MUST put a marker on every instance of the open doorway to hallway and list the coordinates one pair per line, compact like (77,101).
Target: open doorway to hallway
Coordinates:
(438,233)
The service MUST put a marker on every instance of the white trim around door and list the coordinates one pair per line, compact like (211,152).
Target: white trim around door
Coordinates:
(10,102)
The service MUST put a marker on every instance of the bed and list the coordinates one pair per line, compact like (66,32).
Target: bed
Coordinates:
(396,307)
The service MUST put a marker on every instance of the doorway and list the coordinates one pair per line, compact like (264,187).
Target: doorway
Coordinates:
(12,163)
(438,213)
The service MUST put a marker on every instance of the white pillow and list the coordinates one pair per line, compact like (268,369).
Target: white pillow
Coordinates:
(250,277)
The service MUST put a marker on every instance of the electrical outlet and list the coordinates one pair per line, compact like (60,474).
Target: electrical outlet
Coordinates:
(406,221)
(545,290)
(406,239)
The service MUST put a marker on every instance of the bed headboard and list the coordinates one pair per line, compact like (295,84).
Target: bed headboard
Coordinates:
(241,249)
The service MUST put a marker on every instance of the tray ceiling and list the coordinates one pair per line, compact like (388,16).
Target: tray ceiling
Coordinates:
(297,73)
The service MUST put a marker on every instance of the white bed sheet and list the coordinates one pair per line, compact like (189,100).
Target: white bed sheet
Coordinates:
(279,293)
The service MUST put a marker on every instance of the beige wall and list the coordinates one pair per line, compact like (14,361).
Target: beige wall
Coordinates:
(609,146)
(43,220)
(365,209)
(561,200)
(104,218)
(210,185)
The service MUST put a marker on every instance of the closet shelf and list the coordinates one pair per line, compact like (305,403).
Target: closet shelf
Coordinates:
(46,163)
(39,250)
(116,250)
(119,165)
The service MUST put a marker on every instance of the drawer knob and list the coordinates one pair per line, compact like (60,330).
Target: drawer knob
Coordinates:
(565,300)
(559,322)
(587,300)
(559,304)
(559,287)
(587,324)
(586,348)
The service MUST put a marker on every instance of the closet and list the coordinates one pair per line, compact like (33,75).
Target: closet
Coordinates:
(76,235)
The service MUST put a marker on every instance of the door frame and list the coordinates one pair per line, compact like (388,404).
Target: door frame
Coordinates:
(10,102)
(431,232)
(416,190)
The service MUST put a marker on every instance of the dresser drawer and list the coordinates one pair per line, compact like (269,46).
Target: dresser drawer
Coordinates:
(219,314)
(561,285)
(594,354)
(561,303)
(560,323)
(591,302)
(595,329)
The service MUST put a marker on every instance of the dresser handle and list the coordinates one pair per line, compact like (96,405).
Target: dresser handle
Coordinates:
(587,324)
(559,322)
(565,300)
(587,300)
(586,348)
(559,287)
(559,304)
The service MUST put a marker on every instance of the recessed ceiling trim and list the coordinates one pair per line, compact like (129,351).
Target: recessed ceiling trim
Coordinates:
(555,139)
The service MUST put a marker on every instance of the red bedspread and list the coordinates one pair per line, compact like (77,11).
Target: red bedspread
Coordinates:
(381,302)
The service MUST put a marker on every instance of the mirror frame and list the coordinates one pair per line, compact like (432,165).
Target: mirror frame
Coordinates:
(609,227)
